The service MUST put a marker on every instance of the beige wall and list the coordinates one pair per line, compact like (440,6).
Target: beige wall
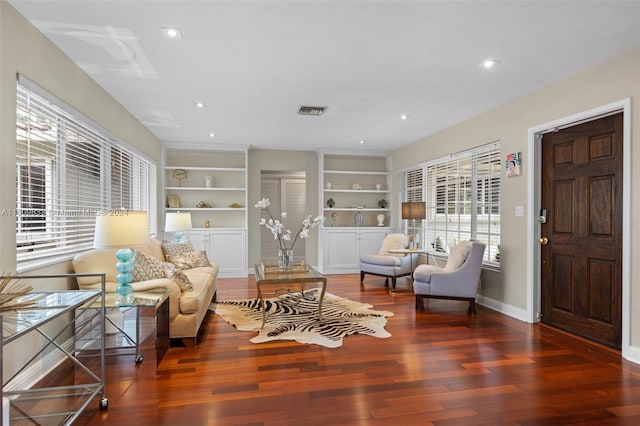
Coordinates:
(24,50)
(608,82)
(260,159)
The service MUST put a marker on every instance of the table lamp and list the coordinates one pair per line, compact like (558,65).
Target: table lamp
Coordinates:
(177,222)
(414,210)
(122,229)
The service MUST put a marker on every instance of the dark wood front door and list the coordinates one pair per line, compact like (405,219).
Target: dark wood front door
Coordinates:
(582,254)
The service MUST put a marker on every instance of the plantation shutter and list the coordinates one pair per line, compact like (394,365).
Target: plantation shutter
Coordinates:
(487,217)
(412,189)
(462,195)
(69,171)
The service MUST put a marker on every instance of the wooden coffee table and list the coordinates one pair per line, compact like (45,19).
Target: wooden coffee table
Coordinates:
(301,274)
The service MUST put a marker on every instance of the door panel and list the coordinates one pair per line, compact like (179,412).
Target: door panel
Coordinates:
(582,261)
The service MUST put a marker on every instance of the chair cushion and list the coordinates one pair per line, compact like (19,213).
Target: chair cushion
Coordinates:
(458,255)
(393,241)
(423,272)
(376,259)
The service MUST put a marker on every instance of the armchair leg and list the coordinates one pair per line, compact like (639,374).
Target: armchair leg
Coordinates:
(419,303)
(393,282)
(386,282)
(472,307)
(361,277)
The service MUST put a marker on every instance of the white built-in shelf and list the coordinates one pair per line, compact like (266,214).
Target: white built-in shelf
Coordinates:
(353,172)
(204,209)
(376,191)
(350,209)
(201,188)
(207,169)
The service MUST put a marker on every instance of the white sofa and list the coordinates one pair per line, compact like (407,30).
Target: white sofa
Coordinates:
(187,309)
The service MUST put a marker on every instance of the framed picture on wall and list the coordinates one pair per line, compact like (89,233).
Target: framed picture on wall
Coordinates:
(513,164)
(173,201)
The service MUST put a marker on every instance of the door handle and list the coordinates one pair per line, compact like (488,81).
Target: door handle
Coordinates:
(543,241)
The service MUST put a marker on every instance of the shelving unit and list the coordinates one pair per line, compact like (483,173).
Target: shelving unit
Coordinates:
(226,191)
(217,180)
(356,184)
(352,182)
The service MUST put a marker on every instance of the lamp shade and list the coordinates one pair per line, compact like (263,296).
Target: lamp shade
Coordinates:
(414,210)
(121,229)
(177,222)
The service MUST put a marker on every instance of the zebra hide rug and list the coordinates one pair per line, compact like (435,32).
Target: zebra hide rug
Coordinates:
(293,317)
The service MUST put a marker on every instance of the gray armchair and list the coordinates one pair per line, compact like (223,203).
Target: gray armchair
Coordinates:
(459,279)
(385,264)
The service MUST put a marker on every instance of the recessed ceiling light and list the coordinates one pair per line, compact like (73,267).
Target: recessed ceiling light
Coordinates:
(173,33)
(490,63)
(362,141)
(404,117)
(212,135)
(200,105)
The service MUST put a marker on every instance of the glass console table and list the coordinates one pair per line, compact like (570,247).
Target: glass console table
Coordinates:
(46,329)
(126,326)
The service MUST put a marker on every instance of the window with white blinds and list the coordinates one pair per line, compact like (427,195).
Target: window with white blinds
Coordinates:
(462,195)
(68,171)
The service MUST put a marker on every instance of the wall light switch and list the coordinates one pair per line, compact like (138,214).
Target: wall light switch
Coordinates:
(519,211)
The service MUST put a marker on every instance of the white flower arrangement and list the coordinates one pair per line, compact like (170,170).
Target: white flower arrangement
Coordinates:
(285,237)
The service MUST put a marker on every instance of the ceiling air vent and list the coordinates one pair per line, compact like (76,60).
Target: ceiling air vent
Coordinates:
(311,110)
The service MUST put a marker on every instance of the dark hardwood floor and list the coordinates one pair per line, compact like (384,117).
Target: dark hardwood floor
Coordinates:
(439,367)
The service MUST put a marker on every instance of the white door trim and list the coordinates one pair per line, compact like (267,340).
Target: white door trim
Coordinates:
(533,226)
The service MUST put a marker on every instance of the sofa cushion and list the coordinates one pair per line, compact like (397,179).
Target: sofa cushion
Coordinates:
(201,278)
(194,259)
(146,267)
(172,248)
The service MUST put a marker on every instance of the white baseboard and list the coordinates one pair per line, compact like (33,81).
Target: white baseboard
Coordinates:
(503,308)
(632,354)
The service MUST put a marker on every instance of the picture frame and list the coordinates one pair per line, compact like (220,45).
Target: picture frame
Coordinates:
(513,164)
(173,201)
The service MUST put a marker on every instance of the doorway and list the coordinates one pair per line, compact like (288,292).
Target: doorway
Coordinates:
(535,311)
(286,190)
(581,229)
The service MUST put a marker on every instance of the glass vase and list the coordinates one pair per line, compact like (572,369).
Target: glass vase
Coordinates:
(285,259)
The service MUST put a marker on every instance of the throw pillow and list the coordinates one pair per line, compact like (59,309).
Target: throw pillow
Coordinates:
(146,267)
(458,256)
(393,241)
(178,277)
(194,259)
(172,248)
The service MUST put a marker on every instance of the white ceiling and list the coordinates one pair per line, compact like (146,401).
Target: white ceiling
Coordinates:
(255,62)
